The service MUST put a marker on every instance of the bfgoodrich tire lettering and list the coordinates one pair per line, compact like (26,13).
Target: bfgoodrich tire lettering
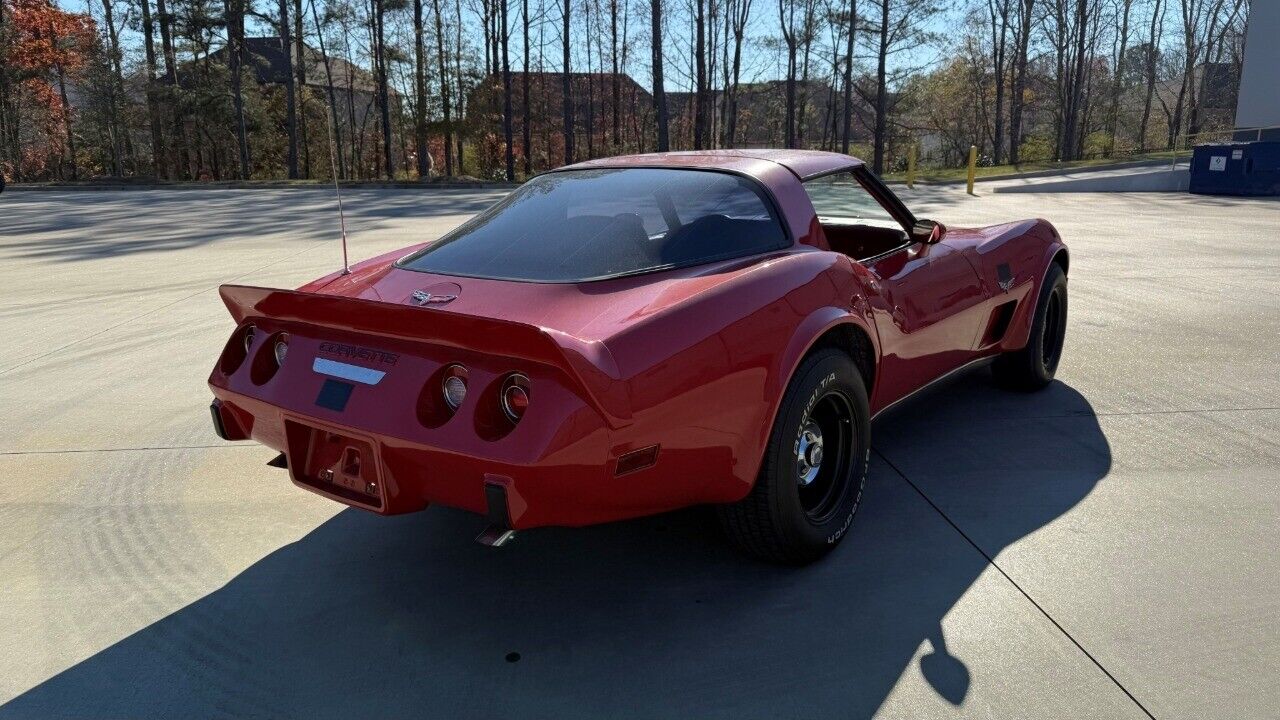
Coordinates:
(815,465)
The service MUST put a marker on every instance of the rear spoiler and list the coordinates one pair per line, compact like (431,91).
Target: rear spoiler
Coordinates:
(588,363)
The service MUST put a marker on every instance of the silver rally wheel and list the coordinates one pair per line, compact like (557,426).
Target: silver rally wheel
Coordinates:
(814,465)
(809,453)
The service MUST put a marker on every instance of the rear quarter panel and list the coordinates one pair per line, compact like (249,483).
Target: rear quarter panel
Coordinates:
(706,373)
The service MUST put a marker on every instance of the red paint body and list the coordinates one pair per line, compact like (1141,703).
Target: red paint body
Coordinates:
(693,360)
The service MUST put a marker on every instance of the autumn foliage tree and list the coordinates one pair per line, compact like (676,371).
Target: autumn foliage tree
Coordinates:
(43,49)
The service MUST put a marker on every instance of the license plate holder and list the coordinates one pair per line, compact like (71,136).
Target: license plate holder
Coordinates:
(336,462)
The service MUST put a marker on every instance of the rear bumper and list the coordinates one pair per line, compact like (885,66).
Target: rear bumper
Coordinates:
(573,486)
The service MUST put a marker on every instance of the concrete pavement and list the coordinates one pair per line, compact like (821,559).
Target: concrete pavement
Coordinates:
(1105,548)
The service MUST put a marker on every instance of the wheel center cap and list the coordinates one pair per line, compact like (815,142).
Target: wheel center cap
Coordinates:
(809,453)
(815,453)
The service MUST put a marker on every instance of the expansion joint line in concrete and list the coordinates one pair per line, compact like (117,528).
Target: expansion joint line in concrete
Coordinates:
(991,561)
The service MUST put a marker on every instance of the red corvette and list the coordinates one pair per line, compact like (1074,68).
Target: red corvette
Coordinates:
(636,334)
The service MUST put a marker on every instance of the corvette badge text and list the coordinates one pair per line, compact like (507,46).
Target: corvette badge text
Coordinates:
(355,352)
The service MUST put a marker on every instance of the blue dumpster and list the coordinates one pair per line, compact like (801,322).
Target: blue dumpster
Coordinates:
(1236,168)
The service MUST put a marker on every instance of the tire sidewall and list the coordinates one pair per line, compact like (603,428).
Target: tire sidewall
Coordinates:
(826,372)
(1055,283)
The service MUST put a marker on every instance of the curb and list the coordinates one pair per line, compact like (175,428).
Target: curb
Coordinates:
(1052,172)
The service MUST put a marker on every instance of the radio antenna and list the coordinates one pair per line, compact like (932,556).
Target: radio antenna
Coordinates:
(333,157)
(342,218)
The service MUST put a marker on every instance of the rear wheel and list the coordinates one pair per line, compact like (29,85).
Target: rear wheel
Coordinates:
(1034,366)
(814,468)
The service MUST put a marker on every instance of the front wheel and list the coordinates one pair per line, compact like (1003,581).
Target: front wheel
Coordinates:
(814,468)
(1034,366)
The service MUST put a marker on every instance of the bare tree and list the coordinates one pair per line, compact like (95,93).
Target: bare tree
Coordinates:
(235,61)
(333,101)
(1124,8)
(787,21)
(291,112)
(739,14)
(700,73)
(444,89)
(506,94)
(526,128)
(1017,94)
(999,13)
(566,89)
(420,88)
(153,103)
(180,159)
(847,90)
(300,70)
(616,82)
(115,91)
(1152,59)
(659,93)
(460,78)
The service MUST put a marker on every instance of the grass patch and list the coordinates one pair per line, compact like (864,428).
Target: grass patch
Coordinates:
(962,173)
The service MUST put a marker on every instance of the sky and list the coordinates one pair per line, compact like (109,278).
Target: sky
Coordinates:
(759,63)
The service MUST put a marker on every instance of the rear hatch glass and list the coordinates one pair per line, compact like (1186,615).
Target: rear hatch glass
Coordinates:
(580,225)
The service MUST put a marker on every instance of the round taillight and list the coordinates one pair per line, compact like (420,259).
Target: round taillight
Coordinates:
(454,386)
(515,397)
(248,337)
(281,349)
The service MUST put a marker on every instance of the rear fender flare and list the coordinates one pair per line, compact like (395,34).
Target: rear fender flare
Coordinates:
(806,334)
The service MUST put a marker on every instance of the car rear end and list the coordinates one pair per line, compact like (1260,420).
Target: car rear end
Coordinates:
(390,407)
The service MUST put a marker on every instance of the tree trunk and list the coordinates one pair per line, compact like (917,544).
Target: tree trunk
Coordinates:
(290,108)
(384,96)
(659,94)
(741,14)
(300,67)
(786,18)
(566,89)
(115,91)
(999,34)
(67,114)
(505,39)
(1022,44)
(1153,54)
(181,161)
(526,129)
(848,78)
(420,89)
(444,91)
(333,100)
(700,73)
(617,81)
(460,100)
(882,100)
(153,102)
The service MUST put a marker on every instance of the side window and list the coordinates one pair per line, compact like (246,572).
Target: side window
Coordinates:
(841,199)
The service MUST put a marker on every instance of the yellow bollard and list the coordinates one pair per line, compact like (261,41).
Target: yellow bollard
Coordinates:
(911,166)
(973,165)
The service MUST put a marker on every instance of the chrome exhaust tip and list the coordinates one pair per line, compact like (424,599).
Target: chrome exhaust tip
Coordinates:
(495,536)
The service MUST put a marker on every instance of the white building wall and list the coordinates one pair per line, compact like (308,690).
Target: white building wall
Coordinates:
(1259,103)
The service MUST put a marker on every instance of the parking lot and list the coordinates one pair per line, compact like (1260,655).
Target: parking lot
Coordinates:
(1106,548)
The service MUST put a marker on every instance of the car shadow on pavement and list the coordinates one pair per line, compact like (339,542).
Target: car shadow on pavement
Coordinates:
(405,617)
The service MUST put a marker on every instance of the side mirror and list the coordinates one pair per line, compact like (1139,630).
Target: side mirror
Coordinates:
(928,231)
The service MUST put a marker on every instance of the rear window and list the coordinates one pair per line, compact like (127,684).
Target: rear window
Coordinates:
(580,225)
